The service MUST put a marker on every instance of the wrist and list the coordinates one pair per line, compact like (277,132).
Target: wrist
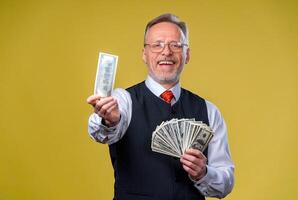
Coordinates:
(200,175)
(108,123)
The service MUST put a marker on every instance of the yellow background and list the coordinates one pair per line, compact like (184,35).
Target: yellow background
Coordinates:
(243,58)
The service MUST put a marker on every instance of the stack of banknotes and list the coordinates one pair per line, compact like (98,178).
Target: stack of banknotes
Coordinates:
(175,136)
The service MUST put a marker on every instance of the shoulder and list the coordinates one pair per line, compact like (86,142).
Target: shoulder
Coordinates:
(121,94)
(137,86)
(119,91)
(128,93)
(137,91)
(214,115)
(211,108)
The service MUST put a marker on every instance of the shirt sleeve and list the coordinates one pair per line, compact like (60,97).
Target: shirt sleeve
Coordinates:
(109,135)
(219,180)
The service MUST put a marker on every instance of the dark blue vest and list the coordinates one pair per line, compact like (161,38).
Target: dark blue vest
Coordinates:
(140,173)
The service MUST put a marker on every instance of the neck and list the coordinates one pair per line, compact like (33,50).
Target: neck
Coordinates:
(168,85)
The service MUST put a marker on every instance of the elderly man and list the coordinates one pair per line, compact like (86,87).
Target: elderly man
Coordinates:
(127,119)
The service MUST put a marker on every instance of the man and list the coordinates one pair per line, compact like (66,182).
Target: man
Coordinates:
(127,119)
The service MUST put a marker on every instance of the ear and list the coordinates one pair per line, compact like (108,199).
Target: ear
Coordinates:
(144,56)
(187,56)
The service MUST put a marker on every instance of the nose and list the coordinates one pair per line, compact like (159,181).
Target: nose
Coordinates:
(166,50)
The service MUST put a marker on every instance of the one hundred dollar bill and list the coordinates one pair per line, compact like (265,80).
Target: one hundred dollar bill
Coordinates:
(105,75)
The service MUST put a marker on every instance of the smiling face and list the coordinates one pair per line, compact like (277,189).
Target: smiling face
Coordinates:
(165,67)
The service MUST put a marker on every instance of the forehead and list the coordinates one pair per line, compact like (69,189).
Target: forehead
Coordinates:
(164,31)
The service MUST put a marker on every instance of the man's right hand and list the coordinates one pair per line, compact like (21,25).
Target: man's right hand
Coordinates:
(107,108)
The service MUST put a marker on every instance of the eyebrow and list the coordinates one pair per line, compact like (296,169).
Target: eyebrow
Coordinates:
(161,41)
(158,41)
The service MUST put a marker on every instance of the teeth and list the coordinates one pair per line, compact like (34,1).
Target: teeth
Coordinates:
(166,62)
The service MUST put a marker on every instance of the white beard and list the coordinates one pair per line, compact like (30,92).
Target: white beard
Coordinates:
(165,79)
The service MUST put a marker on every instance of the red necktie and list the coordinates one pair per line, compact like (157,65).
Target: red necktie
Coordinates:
(167,96)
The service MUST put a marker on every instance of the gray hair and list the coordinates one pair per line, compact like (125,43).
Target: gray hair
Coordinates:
(169,17)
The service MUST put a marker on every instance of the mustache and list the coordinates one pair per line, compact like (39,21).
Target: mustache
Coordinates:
(166,59)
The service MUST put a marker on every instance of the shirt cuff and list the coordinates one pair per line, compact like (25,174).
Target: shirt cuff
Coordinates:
(100,132)
(202,184)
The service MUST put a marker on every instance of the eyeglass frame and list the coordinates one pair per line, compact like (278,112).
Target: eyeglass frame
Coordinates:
(163,44)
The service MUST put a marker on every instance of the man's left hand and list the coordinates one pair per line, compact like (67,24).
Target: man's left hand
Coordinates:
(194,163)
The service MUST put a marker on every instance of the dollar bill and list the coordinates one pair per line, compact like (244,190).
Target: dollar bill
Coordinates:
(201,140)
(105,75)
(162,146)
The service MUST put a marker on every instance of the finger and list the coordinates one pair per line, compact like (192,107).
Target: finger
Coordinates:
(190,171)
(194,152)
(106,107)
(192,165)
(193,159)
(200,162)
(92,99)
(100,103)
(113,115)
(112,108)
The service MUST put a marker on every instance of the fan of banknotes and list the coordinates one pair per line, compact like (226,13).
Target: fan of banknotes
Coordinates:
(175,136)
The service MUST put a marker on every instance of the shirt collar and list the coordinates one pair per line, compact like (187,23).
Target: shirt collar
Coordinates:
(158,89)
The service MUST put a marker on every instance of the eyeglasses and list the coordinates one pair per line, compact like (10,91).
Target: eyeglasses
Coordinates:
(158,47)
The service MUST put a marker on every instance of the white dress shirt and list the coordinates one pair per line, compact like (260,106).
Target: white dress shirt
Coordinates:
(219,180)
